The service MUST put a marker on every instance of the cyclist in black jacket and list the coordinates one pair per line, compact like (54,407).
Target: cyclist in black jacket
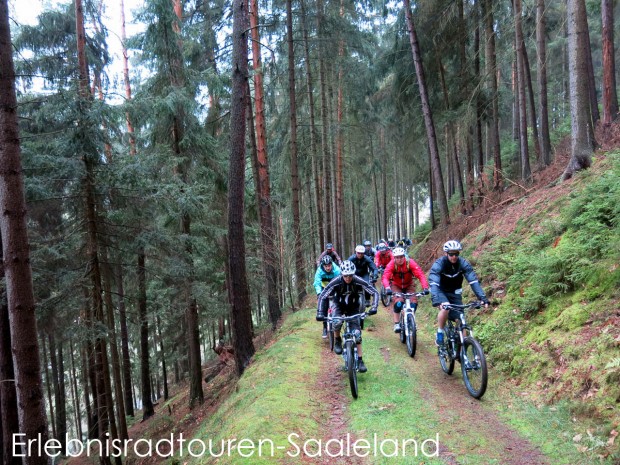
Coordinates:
(345,292)
(446,279)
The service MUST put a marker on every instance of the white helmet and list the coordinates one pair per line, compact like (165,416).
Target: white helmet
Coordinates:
(360,249)
(347,268)
(452,245)
(398,252)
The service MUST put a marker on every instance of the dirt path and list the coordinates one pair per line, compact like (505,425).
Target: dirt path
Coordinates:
(447,396)
(333,402)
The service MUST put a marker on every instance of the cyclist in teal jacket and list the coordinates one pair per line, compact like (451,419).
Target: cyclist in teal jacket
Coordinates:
(325,272)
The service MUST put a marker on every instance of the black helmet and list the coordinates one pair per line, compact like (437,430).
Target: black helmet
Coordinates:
(367,243)
(326,260)
(329,246)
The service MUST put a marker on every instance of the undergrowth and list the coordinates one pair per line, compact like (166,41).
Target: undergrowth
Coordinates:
(557,325)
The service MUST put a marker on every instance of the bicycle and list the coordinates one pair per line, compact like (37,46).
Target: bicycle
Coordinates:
(460,345)
(408,328)
(349,347)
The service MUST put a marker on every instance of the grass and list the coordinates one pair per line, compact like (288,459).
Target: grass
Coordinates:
(273,399)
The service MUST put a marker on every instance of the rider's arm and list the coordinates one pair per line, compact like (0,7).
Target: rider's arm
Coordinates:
(418,273)
(338,259)
(472,279)
(373,267)
(370,290)
(387,274)
(434,278)
(318,287)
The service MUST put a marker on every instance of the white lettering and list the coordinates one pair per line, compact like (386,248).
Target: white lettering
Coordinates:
(260,447)
(318,447)
(435,442)
(139,453)
(170,446)
(17,445)
(242,446)
(361,444)
(52,444)
(294,444)
(340,451)
(394,443)
(200,443)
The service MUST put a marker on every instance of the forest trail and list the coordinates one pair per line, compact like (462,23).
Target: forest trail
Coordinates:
(466,426)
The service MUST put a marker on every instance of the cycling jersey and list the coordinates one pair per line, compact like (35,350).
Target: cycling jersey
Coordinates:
(363,266)
(382,259)
(402,276)
(322,277)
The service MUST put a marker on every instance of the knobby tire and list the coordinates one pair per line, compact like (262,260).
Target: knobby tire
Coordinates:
(412,337)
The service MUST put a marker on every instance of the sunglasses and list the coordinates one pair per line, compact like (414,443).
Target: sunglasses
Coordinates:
(453,254)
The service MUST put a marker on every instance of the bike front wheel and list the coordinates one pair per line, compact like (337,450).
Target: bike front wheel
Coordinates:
(412,336)
(351,368)
(385,298)
(474,368)
(330,333)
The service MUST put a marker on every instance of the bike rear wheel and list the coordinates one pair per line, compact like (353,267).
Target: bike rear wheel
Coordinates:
(474,368)
(351,368)
(412,336)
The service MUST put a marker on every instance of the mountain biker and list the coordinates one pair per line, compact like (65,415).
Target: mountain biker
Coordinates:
(363,268)
(383,256)
(446,279)
(329,250)
(345,292)
(398,276)
(369,251)
(325,272)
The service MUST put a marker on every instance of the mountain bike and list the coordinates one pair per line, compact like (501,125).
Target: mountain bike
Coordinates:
(408,328)
(350,339)
(460,345)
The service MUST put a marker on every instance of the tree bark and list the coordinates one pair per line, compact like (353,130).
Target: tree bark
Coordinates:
(9,424)
(263,183)
(610,97)
(240,308)
(582,139)
(124,343)
(543,112)
(491,63)
(145,372)
(428,118)
(526,172)
(16,256)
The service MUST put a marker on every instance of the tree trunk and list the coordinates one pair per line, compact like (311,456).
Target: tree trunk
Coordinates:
(313,131)
(16,256)
(262,181)
(428,118)
(124,344)
(299,256)
(610,97)
(9,424)
(582,139)
(526,172)
(58,381)
(145,372)
(163,358)
(491,63)
(76,398)
(543,113)
(240,309)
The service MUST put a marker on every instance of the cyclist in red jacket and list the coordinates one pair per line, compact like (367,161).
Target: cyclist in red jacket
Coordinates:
(383,256)
(398,276)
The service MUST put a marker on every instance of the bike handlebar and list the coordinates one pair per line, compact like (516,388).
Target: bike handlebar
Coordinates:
(408,294)
(475,304)
(347,318)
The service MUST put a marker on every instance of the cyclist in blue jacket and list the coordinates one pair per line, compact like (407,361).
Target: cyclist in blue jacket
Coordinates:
(446,279)
(325,272)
